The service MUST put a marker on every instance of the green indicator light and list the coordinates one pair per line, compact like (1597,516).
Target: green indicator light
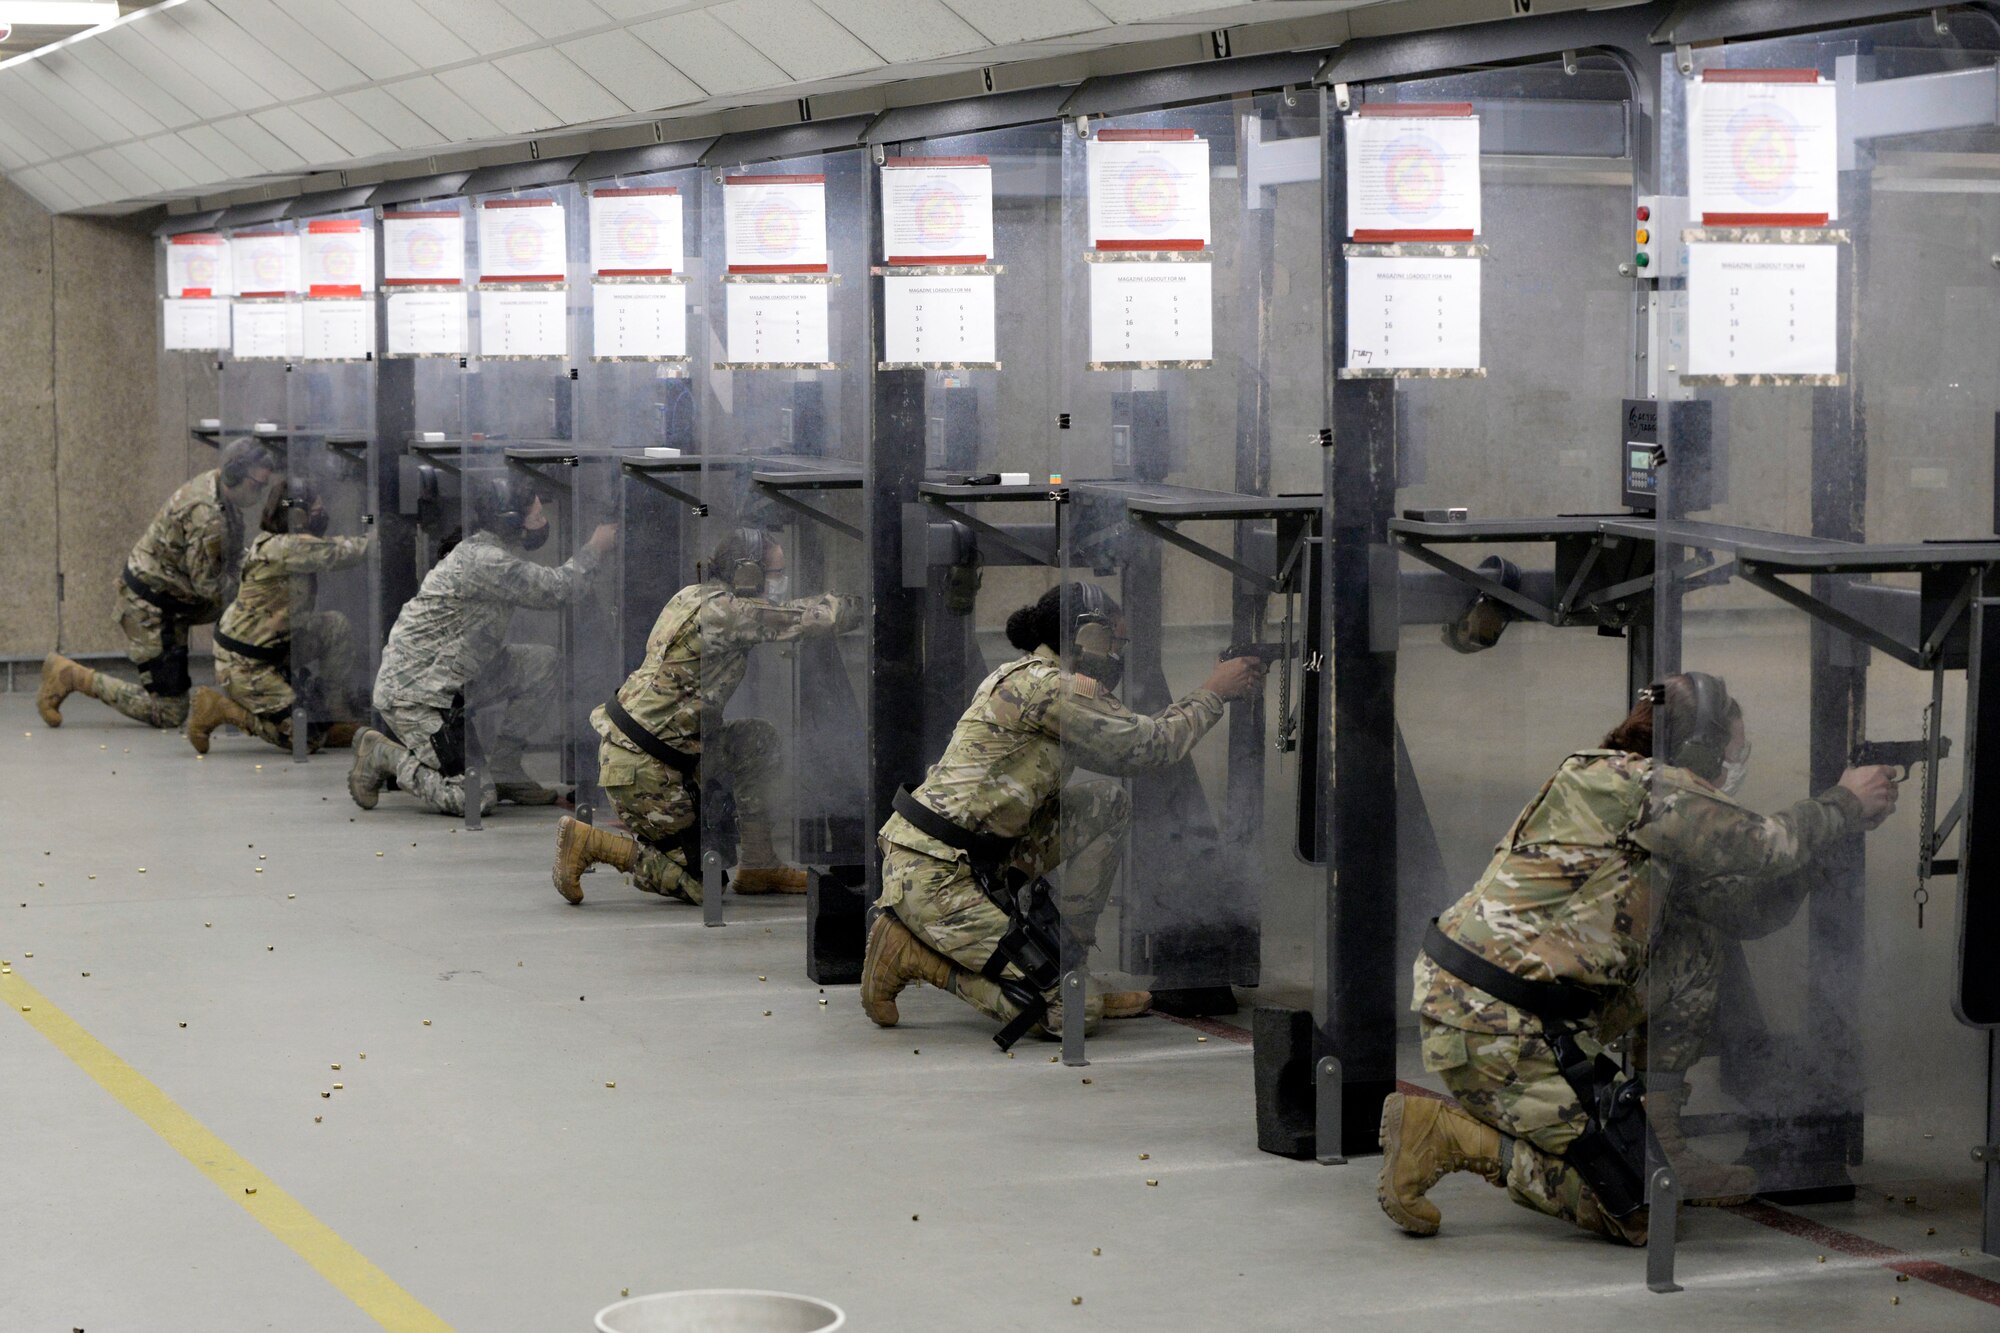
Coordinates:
(1644,260)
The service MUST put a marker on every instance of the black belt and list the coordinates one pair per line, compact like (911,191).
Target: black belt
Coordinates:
(983,848)
(277,654)
(1557,1002)
(687,765)
(166,602)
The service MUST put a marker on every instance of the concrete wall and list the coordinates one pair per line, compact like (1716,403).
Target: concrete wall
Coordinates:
(81,467)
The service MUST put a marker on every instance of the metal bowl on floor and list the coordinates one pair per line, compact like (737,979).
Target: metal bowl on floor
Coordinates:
(721,1312)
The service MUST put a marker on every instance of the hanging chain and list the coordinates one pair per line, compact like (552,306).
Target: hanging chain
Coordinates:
(1926,831)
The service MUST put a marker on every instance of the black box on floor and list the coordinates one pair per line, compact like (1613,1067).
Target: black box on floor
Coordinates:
(836,924)
(1283,1065)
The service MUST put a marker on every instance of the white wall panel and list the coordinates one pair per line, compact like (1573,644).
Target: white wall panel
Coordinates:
(391,118)
(906,31)
(259,144)
(713,55)
(800,37)
(557,18)
(481,24)
(556,83)
(1029,20)
(295,132)
(633,72)
(498,98)
(356,137)
(443,108)
(427,42)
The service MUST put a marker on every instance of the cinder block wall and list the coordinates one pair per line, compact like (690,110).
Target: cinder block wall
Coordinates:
(81,464)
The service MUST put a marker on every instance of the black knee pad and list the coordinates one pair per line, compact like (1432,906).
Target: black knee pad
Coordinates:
(167,675)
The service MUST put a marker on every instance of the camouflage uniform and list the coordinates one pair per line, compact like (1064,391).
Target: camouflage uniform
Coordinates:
(1570,896)
(696,656)
(320,642)
(188,556)
(1003,775)
(451,639)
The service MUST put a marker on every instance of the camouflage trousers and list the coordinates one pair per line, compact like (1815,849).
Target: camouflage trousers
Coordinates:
(521,680)
(1512,1081)
(323,644)
(1082,830)
(655,803)
(158,645)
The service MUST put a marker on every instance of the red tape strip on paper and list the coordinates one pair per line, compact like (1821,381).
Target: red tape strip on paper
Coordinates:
(1760,76)
(1417,110)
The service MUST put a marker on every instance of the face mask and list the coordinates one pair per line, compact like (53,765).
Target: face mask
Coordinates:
(533,539)
(1734,771)
(777,587)
(1107,669)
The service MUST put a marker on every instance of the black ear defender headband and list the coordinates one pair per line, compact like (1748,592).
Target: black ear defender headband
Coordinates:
(241,457)
(506,504)
(1706,745)
(744,563)
(1090,619)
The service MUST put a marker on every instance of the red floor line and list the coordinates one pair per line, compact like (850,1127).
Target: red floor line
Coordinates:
(1860,1247)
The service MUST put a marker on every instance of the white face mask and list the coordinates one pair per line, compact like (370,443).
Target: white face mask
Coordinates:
(1734,771)
(777,587)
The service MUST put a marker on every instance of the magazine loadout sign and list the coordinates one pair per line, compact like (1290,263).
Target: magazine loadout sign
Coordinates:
(647,321)
(1763,309)
(1412,313)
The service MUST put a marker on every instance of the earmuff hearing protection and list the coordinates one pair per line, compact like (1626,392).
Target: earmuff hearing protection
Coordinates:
(1091,620)
(507,506)
(1706,745)
(746,563)
(241,457)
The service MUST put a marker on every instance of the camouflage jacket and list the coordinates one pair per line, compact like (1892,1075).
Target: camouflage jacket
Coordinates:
(455,626)
(262,611)
(1569,896)
(1028,726)
(698,652)
(193,546)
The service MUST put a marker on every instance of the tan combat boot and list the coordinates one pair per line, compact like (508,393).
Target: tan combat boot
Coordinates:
(212,709)
(374,765)
(578,846)
(758,869)
(1127,1003)
(1424,1140)
(60,679)
(1704,1182)
(895,958)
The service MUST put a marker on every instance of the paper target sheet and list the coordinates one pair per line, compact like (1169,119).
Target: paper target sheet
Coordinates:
(267,330)
(195,325)
(774,224)
(522,240)
(339,257)
(1413,313)
(198,265)
(423,246)
(777,322)
(1763,309)
(265,263)
(942,320)
(523,323)
(1151,312)
(636,232)
(1761,150)
(937,210)
(339,330)
(1148,190)
(427,323)
(1413,177)
(639,319)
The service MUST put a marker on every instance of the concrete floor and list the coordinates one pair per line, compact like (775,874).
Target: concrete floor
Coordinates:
(755,1137)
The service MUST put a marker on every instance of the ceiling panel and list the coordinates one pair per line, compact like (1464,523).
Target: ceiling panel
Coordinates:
(1029,20)
(559,85)
(711,54)
(904,31)
(128,47)
(14,153)
(361,45)
(245,56)
(498,98)
(624,11)
(557,18)
(1146,11)
(425,41)
(132,180)
(92,126)
(632,71)
(30,121)
(93,183)
(300,135)
(294,44)
(259,144)
(799,36)
(199,61)
(193,167)
(356,137)
(141,154)
(126,115)
(218,148)
(481,24)
(444,109)
(51,186)
(390,118)
(106,64)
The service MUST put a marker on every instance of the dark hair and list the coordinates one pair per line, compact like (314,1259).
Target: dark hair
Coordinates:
(1677,702)
(288,493)
(1041,621)
(243,456)
(1037,623)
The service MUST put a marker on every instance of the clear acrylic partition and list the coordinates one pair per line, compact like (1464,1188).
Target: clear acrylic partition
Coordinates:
(264,333)
(193,342)
(784,439)
(528,254)
(423,249)
(979,536)
(1810,1018)
(638,393)
(1490,697)
(337,624)
(1192,465)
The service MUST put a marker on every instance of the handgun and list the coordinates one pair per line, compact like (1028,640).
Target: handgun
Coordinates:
(1267,653)
(1900,755)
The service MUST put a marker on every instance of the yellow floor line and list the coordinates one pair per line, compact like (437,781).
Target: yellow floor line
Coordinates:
(279,1213)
